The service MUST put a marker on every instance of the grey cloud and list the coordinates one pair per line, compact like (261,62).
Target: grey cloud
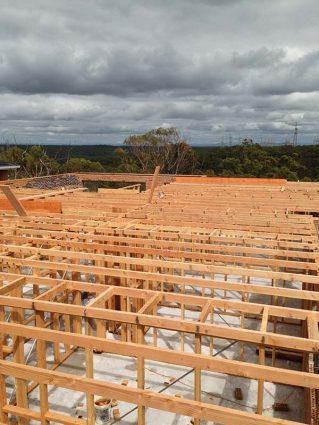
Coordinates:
(211,68)
(259,58)
(301,76)
(113,72)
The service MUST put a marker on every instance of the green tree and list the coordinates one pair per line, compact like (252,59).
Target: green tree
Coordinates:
(80,164)
(33,161)
(162,146)
(17,156)
(231,166)
(38,162)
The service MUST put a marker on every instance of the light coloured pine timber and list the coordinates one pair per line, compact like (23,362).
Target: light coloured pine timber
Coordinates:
(89,374)
(18,356)
(251,336)
(140,375)
(14,201)
(263,328)
(42,363)
(164,402)
(150,304)
(232,367)
(198,376)
(154,183)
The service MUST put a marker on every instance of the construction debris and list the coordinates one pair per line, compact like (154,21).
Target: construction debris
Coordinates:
(281,407)
(114,403)
(238,394)
(116,414)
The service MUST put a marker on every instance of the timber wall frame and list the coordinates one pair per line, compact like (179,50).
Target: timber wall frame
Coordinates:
(147,302)
(137,258)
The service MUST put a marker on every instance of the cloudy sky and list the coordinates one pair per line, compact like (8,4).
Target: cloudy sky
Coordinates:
(95,71)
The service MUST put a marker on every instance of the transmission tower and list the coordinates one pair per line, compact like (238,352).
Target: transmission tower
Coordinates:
(295,139)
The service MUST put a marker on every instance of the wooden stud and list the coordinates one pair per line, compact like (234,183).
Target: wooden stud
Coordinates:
(154,183)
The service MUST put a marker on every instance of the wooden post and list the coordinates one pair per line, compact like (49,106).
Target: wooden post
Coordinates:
(67,322)
(182,308)
(3,395)
(140,375)
(313,333)
(154,184)
(18,357)
(124,325)
(77,321)
(56,346)
(274,302)
(263,328)
(3,400)
(89,374)
(41,362)
(198,375)
(206,310)
(155,329)
(242,323)
(211,341)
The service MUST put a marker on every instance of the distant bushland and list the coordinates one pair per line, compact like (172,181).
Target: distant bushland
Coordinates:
(248,159)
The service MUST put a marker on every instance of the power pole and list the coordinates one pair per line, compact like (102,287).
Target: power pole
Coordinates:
(295,139)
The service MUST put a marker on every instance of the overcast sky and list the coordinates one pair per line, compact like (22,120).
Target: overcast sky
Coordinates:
(95,71)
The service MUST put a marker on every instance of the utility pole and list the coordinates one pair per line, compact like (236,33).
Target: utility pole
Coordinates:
(295,139)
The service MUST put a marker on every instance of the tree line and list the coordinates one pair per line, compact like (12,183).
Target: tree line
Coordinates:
(166,147)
